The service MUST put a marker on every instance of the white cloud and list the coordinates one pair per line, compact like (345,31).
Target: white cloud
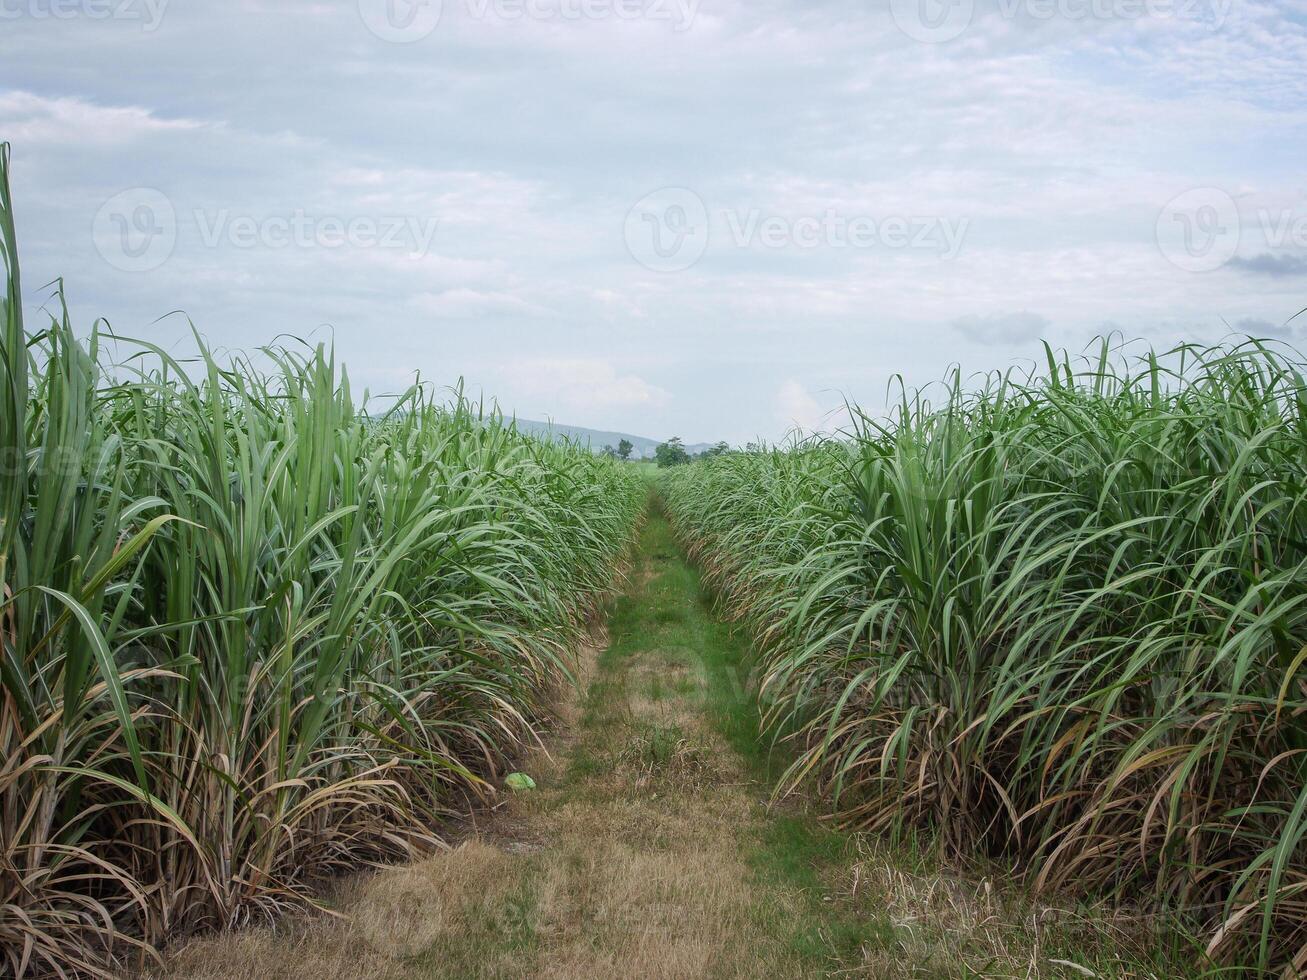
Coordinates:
(796,408)
(27,119)
(455,196)
(586,387)
(459,302)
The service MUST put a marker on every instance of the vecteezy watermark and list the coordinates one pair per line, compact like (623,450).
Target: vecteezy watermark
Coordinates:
(406,21)
(667,231)
(834,230)
(302,230)
(932,21)
(1201,230)
(137,230)
(149,13)
(937,21)
(671,229)
(401,21)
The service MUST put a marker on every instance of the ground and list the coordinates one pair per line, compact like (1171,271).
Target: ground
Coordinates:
(652,848)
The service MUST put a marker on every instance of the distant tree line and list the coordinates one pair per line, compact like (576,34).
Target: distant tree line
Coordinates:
(672,452)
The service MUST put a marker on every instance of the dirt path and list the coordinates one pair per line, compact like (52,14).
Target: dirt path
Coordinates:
(641,853)
(648,850)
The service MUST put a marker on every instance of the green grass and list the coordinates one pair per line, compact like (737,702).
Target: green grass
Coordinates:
(674,616)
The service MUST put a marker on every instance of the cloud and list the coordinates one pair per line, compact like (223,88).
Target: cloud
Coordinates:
(584,387)
(1276,266)
(467,197)
(28,119)
(796,408)
(1002,327)
(1257,327)
(1058,139)
(461,302)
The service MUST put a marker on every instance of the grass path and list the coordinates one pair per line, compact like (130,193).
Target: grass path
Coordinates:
(649,849)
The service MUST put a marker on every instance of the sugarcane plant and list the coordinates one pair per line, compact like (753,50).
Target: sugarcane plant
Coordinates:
(257,631)
(1055,618)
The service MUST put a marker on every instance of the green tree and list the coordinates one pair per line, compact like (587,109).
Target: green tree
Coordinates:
(671,453)
(624,448)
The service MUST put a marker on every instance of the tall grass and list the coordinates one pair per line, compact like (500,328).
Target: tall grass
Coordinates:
(1057,618)
(254,634)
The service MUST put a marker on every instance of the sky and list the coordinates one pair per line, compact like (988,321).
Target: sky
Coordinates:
(716,219)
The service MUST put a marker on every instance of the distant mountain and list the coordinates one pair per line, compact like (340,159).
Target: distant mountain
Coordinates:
(596,439)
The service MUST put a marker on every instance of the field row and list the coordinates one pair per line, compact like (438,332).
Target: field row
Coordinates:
(256,632)
(1055,619)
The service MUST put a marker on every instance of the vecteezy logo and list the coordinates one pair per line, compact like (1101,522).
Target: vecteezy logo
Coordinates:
(1198,231)
(400,21)
(932,21)
(667,231)
(135,230)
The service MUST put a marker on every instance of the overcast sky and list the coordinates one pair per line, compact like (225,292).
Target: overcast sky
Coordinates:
(711,218)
